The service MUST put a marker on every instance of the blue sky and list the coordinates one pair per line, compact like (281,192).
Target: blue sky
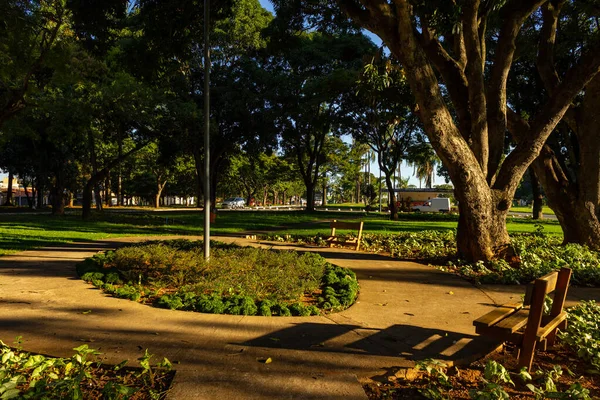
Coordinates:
(267,4)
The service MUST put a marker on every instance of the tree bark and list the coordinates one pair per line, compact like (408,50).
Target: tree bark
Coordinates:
(538,198)
(160,185)
(310,195)
(107,191)
(58,195)
(392,198)
(9,190)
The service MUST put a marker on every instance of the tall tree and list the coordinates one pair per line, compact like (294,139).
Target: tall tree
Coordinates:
(315,75)
(28,33)
(443,46)
(569,164)
(384,118)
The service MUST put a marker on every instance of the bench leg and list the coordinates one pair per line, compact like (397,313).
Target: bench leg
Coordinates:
(526,355)
(552,336)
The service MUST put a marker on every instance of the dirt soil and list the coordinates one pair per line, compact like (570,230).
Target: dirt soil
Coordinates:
(406,384)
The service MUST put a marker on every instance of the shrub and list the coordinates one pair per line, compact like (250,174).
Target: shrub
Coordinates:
(241,281)
(583,332)
(210,304)
(340,288)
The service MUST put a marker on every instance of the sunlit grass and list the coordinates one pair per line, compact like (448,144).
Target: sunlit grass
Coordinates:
(526,209)
(26,231)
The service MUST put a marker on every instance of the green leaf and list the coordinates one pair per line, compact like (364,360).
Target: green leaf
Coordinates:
(10,394)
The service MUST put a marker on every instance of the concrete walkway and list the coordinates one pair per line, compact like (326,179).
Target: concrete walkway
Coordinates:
(405,312)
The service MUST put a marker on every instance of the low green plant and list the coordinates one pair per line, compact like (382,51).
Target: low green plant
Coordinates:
(494,376)
(583,333)
(437,382)
(239,281)
(34,376)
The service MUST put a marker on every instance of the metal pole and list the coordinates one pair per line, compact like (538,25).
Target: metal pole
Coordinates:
(380,188)
(207,205)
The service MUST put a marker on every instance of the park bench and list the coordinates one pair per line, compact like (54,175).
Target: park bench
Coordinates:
(353,242)
(525,324)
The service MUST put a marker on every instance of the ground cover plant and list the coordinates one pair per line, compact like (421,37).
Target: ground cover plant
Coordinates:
(570,370)
(82,376)
(538,253)
(237,280)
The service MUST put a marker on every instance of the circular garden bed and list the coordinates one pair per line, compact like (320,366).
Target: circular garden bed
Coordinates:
(237,280)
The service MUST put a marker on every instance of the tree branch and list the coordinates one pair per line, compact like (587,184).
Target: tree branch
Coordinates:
(476,88)
(513,15)
(530,142)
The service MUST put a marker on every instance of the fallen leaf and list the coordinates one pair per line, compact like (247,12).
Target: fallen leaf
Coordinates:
(450,292)
(86,312)
(265,360)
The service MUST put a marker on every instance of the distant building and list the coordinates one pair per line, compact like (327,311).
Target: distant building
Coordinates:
(19,193)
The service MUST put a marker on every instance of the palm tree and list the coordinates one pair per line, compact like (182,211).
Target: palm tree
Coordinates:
(424,160)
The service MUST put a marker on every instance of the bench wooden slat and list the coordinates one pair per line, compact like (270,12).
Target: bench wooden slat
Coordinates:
(497,314)
(346,225)
(550,279)
(513,322)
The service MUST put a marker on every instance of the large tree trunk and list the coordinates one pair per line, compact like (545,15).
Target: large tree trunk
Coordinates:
(310,195)
(392,197)
(107,191)
(91,188)
(9,190)
(538,198)
(160,186)
(40,192)
(574,204)
(58,196)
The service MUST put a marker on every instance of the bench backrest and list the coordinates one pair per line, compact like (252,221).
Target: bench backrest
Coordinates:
(557,282)
(346,225)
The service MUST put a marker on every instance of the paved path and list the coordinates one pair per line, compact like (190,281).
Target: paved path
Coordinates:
(406,311)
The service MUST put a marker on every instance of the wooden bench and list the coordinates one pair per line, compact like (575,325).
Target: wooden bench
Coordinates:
(525,324)
(354,242)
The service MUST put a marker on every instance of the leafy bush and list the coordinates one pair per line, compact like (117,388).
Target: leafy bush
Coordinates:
(27,376)
(426,244)
(340,288)
(539,255)
(583,332)
(240,281)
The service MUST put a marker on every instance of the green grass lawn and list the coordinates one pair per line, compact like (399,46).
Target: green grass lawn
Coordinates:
(26,231)
(525,209)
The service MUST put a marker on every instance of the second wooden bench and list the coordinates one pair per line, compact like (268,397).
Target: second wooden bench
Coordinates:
(525,324)
(353,242)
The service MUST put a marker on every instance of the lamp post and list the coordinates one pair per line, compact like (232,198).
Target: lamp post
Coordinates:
(207,205)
